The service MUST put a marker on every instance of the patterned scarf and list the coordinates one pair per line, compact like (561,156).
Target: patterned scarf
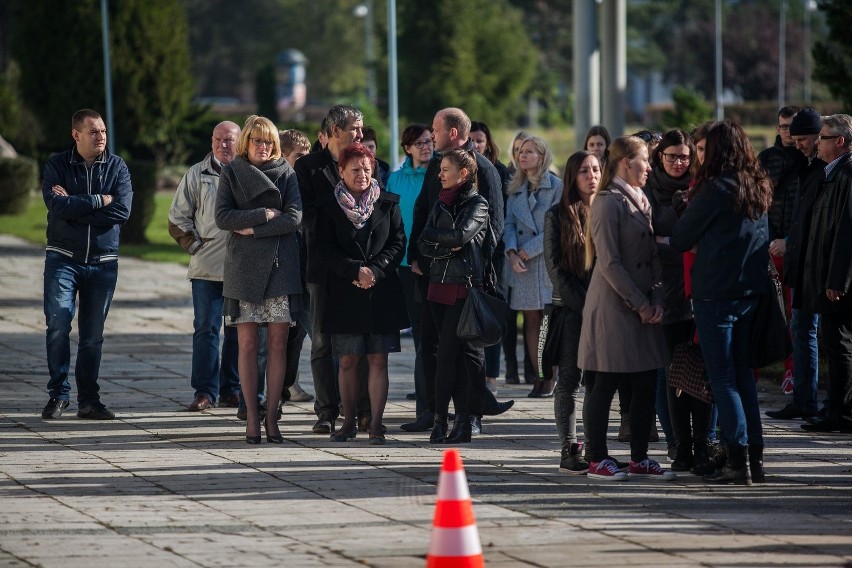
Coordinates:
(357,209)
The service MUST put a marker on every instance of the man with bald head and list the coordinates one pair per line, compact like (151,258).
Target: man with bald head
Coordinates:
(192,224)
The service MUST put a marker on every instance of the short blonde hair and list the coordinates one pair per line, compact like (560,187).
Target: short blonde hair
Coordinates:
(259,127)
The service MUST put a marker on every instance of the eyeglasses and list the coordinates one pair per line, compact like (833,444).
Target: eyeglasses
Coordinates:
(828,137)
(675,158)
(423,144)
(783,127)
(261,142)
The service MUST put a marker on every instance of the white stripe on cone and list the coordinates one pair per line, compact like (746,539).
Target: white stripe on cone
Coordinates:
(462,541)
(452,486)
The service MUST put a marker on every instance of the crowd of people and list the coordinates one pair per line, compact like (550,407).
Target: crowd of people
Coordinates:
(646,242)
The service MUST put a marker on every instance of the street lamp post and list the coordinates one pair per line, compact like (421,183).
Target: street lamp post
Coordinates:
(365,11)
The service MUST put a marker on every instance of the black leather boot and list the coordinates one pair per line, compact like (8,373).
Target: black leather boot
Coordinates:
(461,430)
(755,463)
(701,459)
(684,460)
(735,470)
(439,430)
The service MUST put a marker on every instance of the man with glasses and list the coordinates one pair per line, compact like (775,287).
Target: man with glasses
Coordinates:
(783,163)
(192,223)
(827,271)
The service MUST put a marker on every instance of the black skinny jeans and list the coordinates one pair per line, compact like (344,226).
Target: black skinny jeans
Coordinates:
(566,395)
(599,401)
(690,417)
(456,360)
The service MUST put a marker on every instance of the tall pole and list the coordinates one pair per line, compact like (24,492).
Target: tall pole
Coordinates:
(720,107)
(587,110)
(809,6)
(107,75)
(371,53)
(393,86)
(613,64)
(782,54)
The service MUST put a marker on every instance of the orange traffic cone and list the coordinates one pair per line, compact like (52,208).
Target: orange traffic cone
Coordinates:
(455,539)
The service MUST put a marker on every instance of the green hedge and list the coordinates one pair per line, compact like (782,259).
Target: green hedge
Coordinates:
(18,180)
(143,177)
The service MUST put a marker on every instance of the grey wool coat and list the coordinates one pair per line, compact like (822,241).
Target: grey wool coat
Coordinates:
(524,229)
(626,277)
(266,264)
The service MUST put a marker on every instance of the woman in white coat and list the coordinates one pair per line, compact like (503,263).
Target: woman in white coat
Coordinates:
(532,192)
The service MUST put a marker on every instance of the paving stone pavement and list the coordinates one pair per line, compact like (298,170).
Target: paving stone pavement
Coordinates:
(163,487)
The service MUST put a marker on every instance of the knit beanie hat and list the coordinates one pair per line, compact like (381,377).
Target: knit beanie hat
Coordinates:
(806,121)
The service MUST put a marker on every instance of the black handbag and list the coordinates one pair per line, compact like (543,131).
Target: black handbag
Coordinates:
(483,318)
(687,372)
(770,336)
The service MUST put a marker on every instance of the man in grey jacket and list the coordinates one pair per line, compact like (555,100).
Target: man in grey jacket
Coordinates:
(192,223)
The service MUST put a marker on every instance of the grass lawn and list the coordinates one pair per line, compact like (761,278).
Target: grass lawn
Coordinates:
(32,224)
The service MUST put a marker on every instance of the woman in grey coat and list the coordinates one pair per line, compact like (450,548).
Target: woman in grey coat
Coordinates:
(621,338)
(532,192)
(258,202)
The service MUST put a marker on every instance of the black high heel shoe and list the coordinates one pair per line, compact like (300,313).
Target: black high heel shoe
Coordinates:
(253,439)
(279,439)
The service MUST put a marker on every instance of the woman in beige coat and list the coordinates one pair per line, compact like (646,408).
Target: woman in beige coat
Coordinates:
(621,338)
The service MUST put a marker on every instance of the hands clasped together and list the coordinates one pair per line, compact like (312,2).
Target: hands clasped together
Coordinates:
(366,278)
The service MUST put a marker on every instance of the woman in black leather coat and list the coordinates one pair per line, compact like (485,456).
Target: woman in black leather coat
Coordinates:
(458,241)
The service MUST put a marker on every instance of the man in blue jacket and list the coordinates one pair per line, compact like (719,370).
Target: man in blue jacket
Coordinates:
(88,196)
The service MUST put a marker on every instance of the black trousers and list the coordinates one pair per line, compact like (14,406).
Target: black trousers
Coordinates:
(456,360)
(566,395)
(837,344)
(690,417)
(599,401)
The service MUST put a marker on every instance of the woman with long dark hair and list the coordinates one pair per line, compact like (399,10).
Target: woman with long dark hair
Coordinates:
(564,255)
(726,221)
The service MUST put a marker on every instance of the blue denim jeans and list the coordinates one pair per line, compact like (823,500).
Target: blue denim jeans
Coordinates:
(71,286)
(208,377)
(724,330)
(804,327)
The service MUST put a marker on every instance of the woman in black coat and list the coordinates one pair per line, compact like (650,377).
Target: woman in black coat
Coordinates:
(362,241)
(258,201)
(457,240)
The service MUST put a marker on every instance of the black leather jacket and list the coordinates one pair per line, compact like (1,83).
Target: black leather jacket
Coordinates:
(463,225)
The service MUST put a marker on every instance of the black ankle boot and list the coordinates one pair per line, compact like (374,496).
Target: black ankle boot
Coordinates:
(684,460)
(439,430)
(755,463)
(461,430)
(735,470)
(701,460)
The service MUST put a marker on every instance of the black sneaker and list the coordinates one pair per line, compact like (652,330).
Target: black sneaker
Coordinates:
(95,412)
(54,408)
(324,426)
(572,460)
